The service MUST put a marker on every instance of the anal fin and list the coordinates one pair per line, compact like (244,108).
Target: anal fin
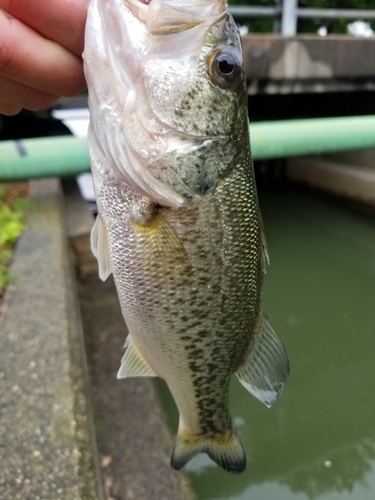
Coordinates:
(133,363)
(99,247)
(266,368)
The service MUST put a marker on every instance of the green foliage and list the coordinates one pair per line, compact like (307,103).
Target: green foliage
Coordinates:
(257,25)
(338,26)
(265,25)
(12,223)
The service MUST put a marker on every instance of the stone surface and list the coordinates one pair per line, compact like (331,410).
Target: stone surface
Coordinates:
(308,63)
(132,429)
(134,438)
(346,180)
(46,440)
(79,219)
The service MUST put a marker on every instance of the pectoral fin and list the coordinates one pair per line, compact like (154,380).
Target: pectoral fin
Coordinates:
(266,367)
(160,242)
(99,247)
(133,363)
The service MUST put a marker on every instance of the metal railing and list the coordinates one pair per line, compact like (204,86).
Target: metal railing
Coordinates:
(287,13)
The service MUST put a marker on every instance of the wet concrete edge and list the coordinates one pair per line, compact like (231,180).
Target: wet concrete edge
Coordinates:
(48,440)
(132,429)
(47,444)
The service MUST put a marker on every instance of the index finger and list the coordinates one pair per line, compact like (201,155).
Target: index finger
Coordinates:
(28,58)
(60,20)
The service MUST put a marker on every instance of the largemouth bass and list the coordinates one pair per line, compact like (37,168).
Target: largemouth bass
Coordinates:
(179,223)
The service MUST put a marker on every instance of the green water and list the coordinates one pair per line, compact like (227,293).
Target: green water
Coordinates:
(318,440)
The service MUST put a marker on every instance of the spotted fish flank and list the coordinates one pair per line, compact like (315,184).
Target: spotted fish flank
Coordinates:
(179,223)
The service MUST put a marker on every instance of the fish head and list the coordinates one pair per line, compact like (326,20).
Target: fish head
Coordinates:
(193,73)
(173,91)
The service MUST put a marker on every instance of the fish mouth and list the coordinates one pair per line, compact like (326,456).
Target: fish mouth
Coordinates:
(166,17)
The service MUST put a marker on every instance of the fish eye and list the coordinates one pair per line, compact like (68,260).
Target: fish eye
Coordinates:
(224,67)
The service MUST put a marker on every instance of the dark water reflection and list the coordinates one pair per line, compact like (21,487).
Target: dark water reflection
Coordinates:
(318,441)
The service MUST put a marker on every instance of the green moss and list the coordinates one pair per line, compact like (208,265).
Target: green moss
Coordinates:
(12,223)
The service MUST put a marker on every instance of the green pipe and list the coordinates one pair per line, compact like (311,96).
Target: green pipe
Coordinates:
(68,156)
(285,138)
(61,156)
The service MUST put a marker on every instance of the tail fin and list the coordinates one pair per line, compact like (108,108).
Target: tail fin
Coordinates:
(225,449)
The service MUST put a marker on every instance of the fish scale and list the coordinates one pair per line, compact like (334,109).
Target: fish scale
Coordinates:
(179,223)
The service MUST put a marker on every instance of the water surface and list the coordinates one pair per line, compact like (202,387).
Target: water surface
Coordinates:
(318,440)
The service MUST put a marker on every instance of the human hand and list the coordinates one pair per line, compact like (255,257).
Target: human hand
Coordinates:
(41,42)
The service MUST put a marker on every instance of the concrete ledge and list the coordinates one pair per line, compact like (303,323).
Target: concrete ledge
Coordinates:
(358,158)
(308,63)
(47,446)
(52,445)
(352,181)
(133,435)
